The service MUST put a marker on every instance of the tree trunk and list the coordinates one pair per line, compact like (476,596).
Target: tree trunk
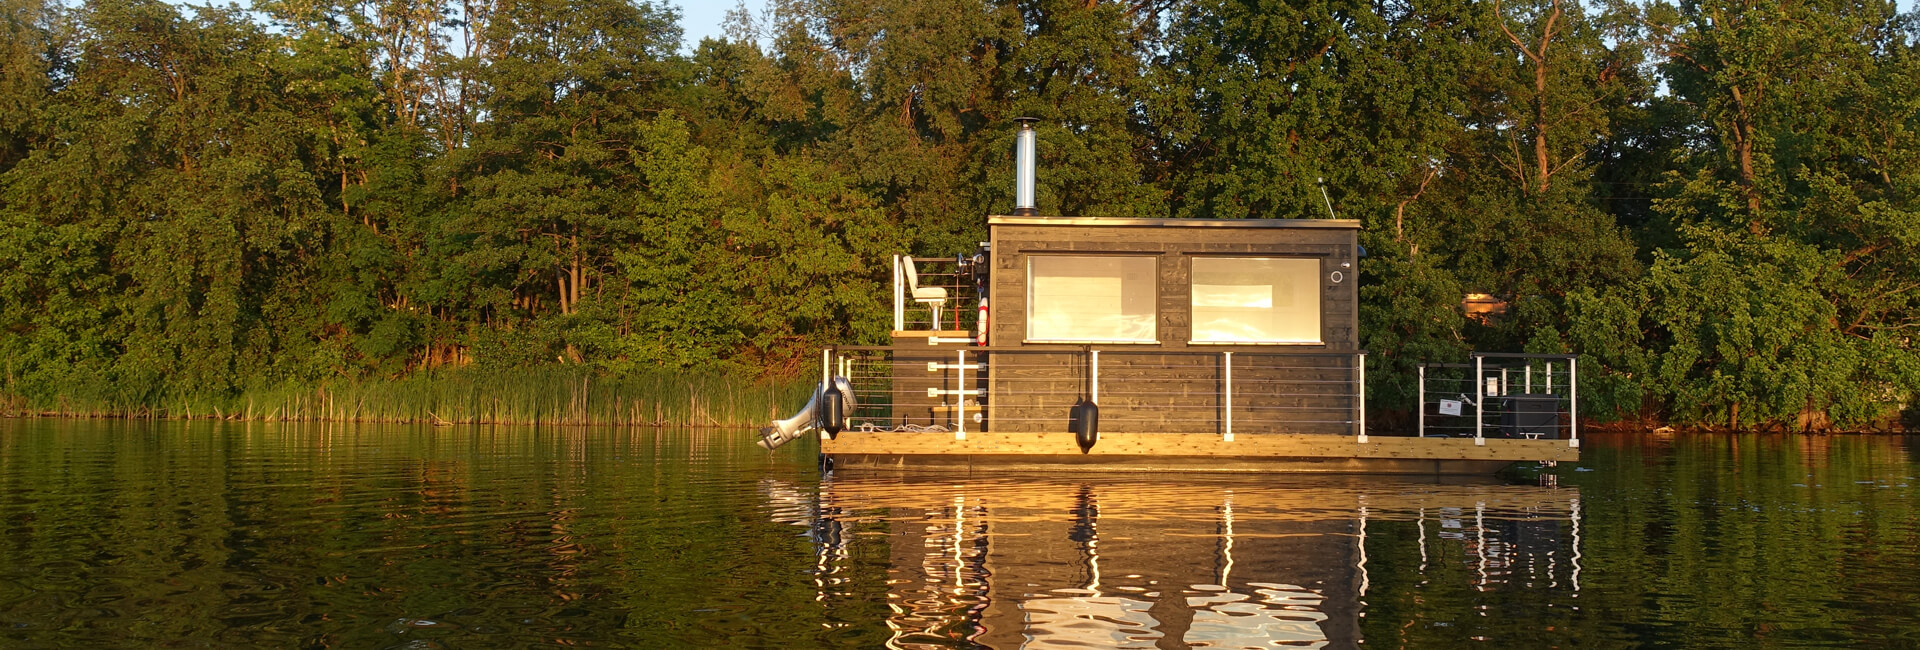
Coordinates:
(574,299)
(1544,171)
(1400,210)
(1743,150)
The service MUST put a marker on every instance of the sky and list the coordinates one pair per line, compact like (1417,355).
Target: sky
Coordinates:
(701,18)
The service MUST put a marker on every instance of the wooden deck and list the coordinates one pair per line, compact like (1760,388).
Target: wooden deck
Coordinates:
(1187,452)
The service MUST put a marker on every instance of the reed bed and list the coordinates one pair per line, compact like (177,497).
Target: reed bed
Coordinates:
(554,396)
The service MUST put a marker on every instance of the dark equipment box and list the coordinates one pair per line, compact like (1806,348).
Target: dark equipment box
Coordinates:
(1530,416)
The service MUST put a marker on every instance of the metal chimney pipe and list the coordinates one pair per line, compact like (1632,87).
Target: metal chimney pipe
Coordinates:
(1023,203)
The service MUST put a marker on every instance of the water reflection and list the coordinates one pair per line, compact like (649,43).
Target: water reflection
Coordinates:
(133,534)
(1223,563)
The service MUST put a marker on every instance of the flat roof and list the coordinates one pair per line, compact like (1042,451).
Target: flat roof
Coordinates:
(1003,220)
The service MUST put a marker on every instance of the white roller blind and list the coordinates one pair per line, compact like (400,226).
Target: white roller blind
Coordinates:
(1256,300)
(1094,299)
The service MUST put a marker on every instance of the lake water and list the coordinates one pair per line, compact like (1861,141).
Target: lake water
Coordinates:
(116,534)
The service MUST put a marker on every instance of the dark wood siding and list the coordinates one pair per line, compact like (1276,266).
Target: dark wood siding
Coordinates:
(907,380)
(1144,391)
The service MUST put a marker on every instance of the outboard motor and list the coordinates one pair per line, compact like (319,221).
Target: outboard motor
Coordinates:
(827,410)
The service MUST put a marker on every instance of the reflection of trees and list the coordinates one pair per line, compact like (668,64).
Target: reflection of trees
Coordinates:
(1728,539)
(268,535)
(1686,540)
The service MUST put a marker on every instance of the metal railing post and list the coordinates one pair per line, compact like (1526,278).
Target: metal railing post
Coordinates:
(1360,366)
(1422,431)
(1573,402)
(826,366)
(1093,374)
(1227,399)
(960,397)
(899,299)
(1479,402)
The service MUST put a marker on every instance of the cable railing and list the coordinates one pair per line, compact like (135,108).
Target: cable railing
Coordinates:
(936,294)
(1499,395)
(1225,392)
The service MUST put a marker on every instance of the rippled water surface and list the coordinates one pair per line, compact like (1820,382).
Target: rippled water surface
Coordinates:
(230,535)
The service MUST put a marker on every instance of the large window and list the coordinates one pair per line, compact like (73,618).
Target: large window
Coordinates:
(1090,299)
(1256,300)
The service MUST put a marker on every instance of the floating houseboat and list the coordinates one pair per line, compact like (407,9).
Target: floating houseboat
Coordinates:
(1124,344)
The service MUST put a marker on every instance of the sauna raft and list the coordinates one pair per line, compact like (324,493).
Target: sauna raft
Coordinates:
(1160,345)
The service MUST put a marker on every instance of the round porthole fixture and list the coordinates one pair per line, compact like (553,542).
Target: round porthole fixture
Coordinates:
(1336,277)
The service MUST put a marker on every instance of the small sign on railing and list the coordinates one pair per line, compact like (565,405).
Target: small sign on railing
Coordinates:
(1450,407)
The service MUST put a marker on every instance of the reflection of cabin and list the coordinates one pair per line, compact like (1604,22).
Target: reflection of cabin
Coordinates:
(1038,561)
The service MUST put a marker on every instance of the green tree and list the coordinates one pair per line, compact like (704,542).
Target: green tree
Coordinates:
(1793,301)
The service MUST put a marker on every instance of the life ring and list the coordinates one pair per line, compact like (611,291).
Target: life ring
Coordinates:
(982,323)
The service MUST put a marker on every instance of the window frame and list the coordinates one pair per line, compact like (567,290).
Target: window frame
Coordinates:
(1319,293)
(1154,274)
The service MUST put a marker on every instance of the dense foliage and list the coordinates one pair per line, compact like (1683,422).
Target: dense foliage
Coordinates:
(1718,202)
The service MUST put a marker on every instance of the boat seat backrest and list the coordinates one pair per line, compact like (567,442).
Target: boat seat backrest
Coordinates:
(929,295)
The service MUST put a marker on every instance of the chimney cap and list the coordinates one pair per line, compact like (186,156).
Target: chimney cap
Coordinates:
(1028,121)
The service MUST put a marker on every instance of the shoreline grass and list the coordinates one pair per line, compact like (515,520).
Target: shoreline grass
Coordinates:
(544,396)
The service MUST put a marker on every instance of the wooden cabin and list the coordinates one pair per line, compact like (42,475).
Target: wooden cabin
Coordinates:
(1171,303)
(1206,344)
(1162,345)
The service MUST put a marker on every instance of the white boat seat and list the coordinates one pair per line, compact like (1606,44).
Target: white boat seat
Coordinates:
(933,297)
